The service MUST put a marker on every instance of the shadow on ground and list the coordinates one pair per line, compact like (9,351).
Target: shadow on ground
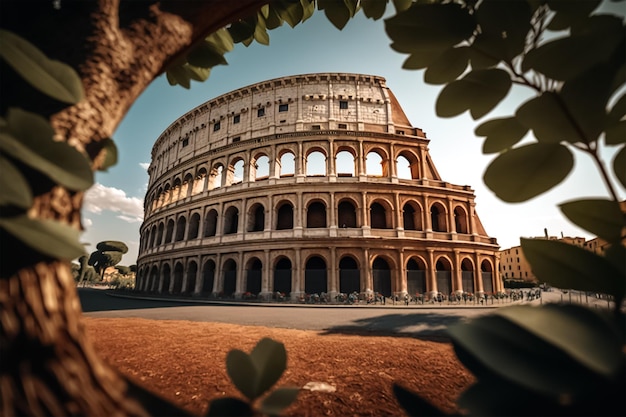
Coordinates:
(430,326)
(97,300)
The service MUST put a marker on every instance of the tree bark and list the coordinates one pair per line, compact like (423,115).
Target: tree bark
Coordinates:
(48,365)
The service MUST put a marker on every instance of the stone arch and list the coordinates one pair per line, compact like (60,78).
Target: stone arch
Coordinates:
(316,214)
(194,226)
(416,276)
(169,232)
(345,162)
(381,275)
(167,194)
(229,278)
(256,218)
(349,275)
(166,279)
(287,164)
(284,215)
(198,183)
(181,225)
(407,165)
(460,220)
(260,167)
(316,163)
(208,276)
(467,275)
(486,272)
(347,213)
(186,187)
(438,217)
(190,282)
(236,171)
(412,216)
(254,275)
(231,220)
(178,278)
(153,283)
(210,223)
(160,231)
(443,273)
(282,275)
(153,234)
(176,189)
(381,215)
(216,176)
(315,275)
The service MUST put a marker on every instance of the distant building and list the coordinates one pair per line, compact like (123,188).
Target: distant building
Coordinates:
(513,263)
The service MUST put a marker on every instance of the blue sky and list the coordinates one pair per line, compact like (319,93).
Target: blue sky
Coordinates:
(113,208)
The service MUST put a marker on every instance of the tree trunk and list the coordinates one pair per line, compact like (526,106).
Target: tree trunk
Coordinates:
(48,366)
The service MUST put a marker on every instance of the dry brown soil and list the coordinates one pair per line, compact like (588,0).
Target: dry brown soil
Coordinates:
(184,362)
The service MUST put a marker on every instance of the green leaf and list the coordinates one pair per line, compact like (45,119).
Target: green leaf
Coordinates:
(229,407)
(567,266)
(197,73)
(448,66)
(402,5)
(597,41)
(176,75)
(420,59)
(501,134)
(52,78)
(48,237)
(278,400)
(374,9)
(616,127)
(14,189)
(479,92)
(243,29)
(435,27)
(270,360)
(204,55)
(522,173)
(494,345)
(619,166)
(569,13)
(242,372)
(110,154)
(338,12)
(29,140)
(581,333)
(112,246)
(546,116)
(486,51)
(603,218)
(260,33)
(507,21)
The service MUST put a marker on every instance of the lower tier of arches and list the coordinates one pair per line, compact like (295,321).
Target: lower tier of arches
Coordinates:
(296,272)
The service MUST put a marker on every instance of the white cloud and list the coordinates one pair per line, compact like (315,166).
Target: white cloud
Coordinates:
(144,165)
(87,222)
(100,198)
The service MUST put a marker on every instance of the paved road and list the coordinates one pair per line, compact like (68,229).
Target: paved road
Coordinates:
(399,319)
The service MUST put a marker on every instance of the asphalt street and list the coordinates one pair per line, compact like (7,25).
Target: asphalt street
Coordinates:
(389,319)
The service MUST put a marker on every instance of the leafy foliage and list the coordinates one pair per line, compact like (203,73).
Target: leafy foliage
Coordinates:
(109,253)
(566,360)
(254,375)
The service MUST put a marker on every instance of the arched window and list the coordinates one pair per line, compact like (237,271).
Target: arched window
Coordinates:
(194,226)
(282,276)
(415,277)
(231,219)
(190,282)
(284,217)
(178,278)
(374,165)
(256,218)
(346,214)
(467,275)
(210,223)
(166,280)
(378,216)
(403,167)
(169,234)
(287,165)
(237,173)
(316,164)
(486,276)
(153,237)
(316,215)
(229,277)
(208,277)
(181,224)
(253,276)
(438,218)
(460,220)
(412,216)
(215,180)
(381,274)
(345,164)
(444,276)
(159,237)
(349,276)
(262,168)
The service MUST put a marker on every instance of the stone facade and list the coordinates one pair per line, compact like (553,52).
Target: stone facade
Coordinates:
(307,184)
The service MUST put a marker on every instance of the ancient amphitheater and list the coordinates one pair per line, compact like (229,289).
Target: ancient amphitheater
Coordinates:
(307,184)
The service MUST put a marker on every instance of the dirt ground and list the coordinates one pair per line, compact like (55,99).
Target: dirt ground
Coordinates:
(185,362)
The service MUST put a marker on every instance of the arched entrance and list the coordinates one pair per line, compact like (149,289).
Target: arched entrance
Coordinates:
(229,276)
(178,279)
(487,277)
(444,276)
(165,285)
(416,277)
(349,276)
(190,284)
(315,276)
(381,273)
(254,273)
(467,275)
(282,276)
(208,277)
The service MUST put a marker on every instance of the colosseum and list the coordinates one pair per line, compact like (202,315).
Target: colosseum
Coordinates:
(307,184)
